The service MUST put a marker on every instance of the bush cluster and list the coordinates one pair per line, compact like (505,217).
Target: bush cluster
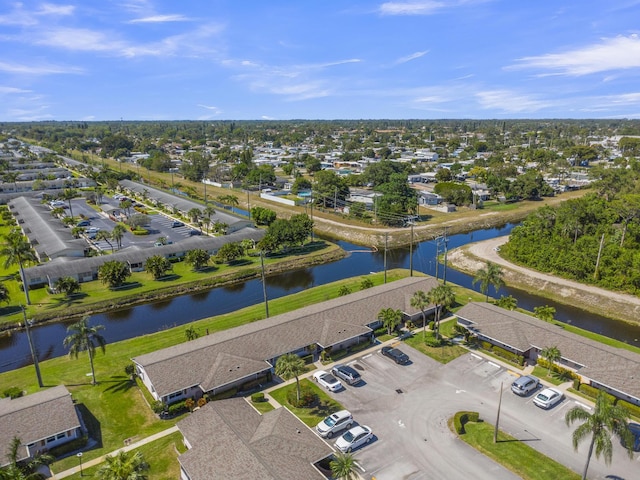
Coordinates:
(308,397)
(461,418)
(593,392)
(502,353)
(563,372)
(177,408)
(12,392)
(72,446)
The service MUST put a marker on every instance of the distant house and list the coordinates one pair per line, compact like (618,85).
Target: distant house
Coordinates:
(41,421)
(230,439)
(428,198)
(612,369)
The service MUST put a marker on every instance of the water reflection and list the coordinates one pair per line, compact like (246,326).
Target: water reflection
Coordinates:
(297,280)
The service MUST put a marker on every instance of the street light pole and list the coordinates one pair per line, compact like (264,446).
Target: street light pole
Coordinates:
(79,455)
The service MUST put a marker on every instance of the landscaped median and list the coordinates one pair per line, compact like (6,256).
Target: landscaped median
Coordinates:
(511,453)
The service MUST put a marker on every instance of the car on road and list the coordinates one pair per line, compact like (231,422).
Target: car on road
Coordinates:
(396,355)
(525,385)
(176,224)
(334,423)
(354,438)
(347,373)
(327,380)
(548,397)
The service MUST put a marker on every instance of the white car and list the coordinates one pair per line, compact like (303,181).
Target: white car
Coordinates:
(548,397)
(327,380)
(354,438)
(334,423)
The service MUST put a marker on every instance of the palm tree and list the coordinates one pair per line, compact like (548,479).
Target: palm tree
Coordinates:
(23,470)
(607,420)
(124,466)
(290,365)
(104,235)
(390,318)
(117,233)
(194,214)
(83,337)
(491,275)
(17,250)
(420,300)
(343,466)
(441,296)
(552,355)
(545,313)
(69,194)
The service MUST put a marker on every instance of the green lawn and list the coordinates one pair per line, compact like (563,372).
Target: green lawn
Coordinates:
(542,374)
(443,354)
(313,415)
(514,454)
(161,456)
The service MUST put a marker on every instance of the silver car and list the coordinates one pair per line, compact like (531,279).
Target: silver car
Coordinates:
(334,423)
(525,385)
(548,398)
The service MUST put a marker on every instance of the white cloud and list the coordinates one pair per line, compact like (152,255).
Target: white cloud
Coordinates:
(610,54)
(266,117)
(15,68)
(411,8)
(215,110)
(413,56)
(53,9)
(79,39)
(160,19)
(508,101)
(11,90)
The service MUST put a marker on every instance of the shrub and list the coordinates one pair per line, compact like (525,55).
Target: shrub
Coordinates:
(258,397)
(593,392)
(157,406)
(433,342)
(177,408)
(561,371)
(461,418)
(630,407)
(226,394)
(12,392)
(308,397)
(431,325)
(72,446)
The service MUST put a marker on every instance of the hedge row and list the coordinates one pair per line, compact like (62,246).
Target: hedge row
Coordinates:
(502,353)
(72,446)
(593,392)
(462,418)
(565,372)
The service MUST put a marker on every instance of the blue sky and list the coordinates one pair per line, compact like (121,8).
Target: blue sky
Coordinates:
(306,59)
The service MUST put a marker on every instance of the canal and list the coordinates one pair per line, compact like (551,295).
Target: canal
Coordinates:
(152,317)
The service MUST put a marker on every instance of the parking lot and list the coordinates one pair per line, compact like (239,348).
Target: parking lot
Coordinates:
(408,406)
(159,226)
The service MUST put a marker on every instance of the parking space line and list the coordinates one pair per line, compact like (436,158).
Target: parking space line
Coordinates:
(493,364)
(586,407)
(476,356)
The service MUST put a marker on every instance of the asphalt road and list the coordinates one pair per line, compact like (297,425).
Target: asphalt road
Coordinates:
(412,439)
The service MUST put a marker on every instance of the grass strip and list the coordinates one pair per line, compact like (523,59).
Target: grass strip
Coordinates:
(513,454)
(310,416)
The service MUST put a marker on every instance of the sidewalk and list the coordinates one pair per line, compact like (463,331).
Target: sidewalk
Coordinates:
(96,461)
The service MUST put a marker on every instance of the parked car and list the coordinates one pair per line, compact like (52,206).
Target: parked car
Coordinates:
(525,385)
(347,373)
(354,438)
(327,380)
(193,232)
(396,355)
(92,230)
(83,223)
(334,423)
(635,437)
(548,397)
(176,224)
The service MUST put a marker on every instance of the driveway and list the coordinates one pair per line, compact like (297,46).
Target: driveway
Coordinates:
(408,407)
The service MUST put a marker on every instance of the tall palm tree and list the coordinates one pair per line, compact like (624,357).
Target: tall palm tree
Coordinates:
(343,466)
(23,470)
(117,233)
(69,194)
(441,296)
(83,337)
(607,420)
(290,365)
(17,250)
(124,466)
(420,300)
(491,275)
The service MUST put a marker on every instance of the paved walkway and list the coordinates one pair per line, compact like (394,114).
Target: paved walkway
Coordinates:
(133,446)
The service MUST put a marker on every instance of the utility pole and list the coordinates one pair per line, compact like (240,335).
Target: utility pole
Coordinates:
(444,273)
(264,285)
(411,252)
(595,273)
(386,238)
(34,354)
(495,431)
(248,204)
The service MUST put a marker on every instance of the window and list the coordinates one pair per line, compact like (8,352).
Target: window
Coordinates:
(60,436)
(51,439)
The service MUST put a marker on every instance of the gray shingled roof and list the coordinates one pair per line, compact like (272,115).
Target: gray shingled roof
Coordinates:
(181,203)
(247,347)
(48,236)
(36,417)
(230,439)
(68,266)
(604,364)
